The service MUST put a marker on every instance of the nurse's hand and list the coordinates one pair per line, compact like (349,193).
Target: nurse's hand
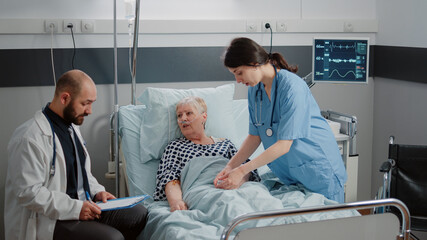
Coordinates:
(230,180)
(224,172)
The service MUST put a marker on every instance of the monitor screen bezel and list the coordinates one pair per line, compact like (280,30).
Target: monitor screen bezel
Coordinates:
(365,81)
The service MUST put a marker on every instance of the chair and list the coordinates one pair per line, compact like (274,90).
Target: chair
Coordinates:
(405,178)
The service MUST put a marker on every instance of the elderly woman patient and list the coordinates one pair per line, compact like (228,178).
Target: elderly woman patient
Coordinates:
(191,114)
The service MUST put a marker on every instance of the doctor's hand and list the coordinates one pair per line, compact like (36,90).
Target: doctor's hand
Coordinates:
(89,211)
(103,196)
(230,179)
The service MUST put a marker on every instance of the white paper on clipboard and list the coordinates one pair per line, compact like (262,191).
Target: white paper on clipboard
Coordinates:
(121,203)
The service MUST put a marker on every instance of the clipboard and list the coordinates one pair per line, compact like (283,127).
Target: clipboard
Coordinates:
(121,203)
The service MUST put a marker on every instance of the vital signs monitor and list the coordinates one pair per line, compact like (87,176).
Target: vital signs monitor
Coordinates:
(340,60)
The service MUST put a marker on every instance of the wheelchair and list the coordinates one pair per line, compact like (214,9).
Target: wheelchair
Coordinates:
(405,178)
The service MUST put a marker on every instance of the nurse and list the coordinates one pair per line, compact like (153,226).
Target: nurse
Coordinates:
(299,144)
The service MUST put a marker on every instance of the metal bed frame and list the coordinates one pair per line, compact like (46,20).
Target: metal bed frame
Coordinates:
(405,228)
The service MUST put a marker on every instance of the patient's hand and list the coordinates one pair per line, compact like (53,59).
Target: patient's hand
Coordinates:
(174,196)
(178,205)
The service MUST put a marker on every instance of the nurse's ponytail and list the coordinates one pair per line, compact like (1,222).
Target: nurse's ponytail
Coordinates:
(246,52)
(279,61)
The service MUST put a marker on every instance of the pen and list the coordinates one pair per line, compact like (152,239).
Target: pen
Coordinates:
(88,196)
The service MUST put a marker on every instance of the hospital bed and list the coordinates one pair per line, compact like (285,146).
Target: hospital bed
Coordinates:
(379,227)
(147,128)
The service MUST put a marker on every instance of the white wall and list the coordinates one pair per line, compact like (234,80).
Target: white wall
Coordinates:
(400,111)
(193,9)
(304,19)
(399,106)
(397,103)
(402,23)
(21,103)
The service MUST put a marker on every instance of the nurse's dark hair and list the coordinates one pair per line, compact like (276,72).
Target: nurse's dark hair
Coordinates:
(246,52)
(71,82)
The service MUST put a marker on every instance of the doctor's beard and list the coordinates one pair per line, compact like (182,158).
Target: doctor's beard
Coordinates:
(70,115)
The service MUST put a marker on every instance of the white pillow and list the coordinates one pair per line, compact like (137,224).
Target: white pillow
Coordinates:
(159,125)
(141,176)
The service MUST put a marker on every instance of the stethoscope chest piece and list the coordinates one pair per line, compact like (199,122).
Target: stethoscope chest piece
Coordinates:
(269,132)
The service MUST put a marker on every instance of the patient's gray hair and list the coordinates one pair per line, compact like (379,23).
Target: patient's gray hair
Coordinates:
(194,101)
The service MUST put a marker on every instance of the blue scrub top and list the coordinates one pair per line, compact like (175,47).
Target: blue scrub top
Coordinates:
(314,159)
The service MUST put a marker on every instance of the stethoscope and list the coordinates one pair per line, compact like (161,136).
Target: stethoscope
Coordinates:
(52,165)
(268,131)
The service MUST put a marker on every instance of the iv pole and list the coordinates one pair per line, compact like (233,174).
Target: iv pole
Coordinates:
(114,123)
(135,48)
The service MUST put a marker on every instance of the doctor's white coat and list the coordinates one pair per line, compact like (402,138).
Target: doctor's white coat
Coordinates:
(33,202)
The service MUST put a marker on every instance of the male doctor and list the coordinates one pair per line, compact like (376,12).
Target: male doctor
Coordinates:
(49,184)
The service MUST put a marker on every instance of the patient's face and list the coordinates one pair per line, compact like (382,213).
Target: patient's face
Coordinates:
(190,121)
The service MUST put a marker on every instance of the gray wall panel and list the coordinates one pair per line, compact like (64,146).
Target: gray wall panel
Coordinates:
(32,67)
(401,63)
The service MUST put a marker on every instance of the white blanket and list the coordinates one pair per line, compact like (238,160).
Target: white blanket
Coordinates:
(211,209)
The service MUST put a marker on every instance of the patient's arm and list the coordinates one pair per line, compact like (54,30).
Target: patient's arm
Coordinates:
(174,196)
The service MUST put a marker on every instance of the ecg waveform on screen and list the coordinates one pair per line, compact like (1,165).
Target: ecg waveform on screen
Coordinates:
(338,60)
(338,73)
(342,76)
(338,46)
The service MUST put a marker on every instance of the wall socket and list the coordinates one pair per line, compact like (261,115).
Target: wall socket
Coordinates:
(88,26)
(348,27)
(51,24)
(272,25)
(251,26)
(281,26)
(76,26)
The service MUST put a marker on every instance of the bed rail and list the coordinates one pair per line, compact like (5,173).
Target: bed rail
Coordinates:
(405,230)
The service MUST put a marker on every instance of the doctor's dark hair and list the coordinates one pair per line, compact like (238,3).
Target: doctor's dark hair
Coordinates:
(246,52)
